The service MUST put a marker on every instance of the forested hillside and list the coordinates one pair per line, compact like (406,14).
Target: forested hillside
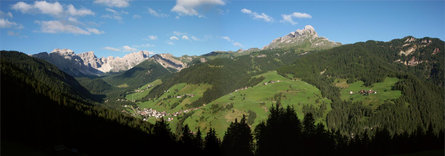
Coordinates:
(420,105)
(45,111)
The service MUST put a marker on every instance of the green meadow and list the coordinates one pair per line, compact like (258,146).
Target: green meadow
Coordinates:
(254,102)
(383,90)
(145,90)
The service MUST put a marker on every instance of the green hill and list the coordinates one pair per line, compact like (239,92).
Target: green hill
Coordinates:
(366,65)
(137,76)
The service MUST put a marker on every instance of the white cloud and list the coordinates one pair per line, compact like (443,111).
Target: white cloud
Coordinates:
(194,38)
(156,13)
(146,45)
(183,36)
(49,8)
(128,48)
(153,37)
(188,7)
(136,16)
(289,18)
(94,31)
(54,9)
(111,10)
(5,23)
(114,3)
(178,33)
(22,7)
(234,43)
(72,19)
(3,14)
(112,49)
(227,38)
(255,15)
(117,15)
(16,34)
(174,38)
(61,27)
(79,12)
(237,44)
(170,43)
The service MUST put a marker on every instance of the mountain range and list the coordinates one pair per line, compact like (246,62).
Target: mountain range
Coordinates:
(88,64)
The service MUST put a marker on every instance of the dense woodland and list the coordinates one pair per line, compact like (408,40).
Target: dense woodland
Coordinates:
(46,111)
(420,105)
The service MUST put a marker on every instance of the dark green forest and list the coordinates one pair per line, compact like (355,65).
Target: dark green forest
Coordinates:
(421,104)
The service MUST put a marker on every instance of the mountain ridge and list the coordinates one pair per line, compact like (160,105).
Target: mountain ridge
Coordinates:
(301,37)
(88,64)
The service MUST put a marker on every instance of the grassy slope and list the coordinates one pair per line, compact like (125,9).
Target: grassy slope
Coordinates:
(384,92)
(140,95)
(219,113)
(169,102)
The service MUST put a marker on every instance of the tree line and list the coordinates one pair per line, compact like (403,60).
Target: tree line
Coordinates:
(284,134)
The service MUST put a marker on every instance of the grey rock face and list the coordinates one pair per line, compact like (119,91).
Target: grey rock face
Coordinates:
(87,64)
(306,38)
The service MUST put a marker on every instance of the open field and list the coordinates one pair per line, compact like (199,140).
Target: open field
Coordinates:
(255,101)
(383,92)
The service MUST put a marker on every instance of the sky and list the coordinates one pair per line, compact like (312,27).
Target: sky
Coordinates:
(196,27)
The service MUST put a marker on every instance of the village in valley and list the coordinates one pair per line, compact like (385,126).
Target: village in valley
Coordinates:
(146,113)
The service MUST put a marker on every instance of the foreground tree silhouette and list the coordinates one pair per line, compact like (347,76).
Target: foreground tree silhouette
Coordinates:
(281,134)
(197,140)
(238,139)
(212,144)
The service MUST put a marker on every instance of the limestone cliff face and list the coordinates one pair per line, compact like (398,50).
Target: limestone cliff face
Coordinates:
(168,61)
(306,38)
(87,64)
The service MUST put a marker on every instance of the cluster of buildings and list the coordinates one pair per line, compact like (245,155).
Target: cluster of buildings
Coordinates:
(185,95)
(149,112)
(364,92)
(143,89)
(271,82)
(241,89)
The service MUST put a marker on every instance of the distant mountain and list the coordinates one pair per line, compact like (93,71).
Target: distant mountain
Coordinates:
(143,73)
(307,39)
(169,61)
(87,64)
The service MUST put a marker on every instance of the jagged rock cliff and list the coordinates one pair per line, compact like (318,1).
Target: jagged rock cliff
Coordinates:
(306,38)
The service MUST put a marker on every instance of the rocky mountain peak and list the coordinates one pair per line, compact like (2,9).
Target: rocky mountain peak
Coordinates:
(63,51)
(306,38)
(87,63)
(307,31)
(168,61)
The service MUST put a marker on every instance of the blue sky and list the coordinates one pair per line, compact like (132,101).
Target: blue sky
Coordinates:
(195,27)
